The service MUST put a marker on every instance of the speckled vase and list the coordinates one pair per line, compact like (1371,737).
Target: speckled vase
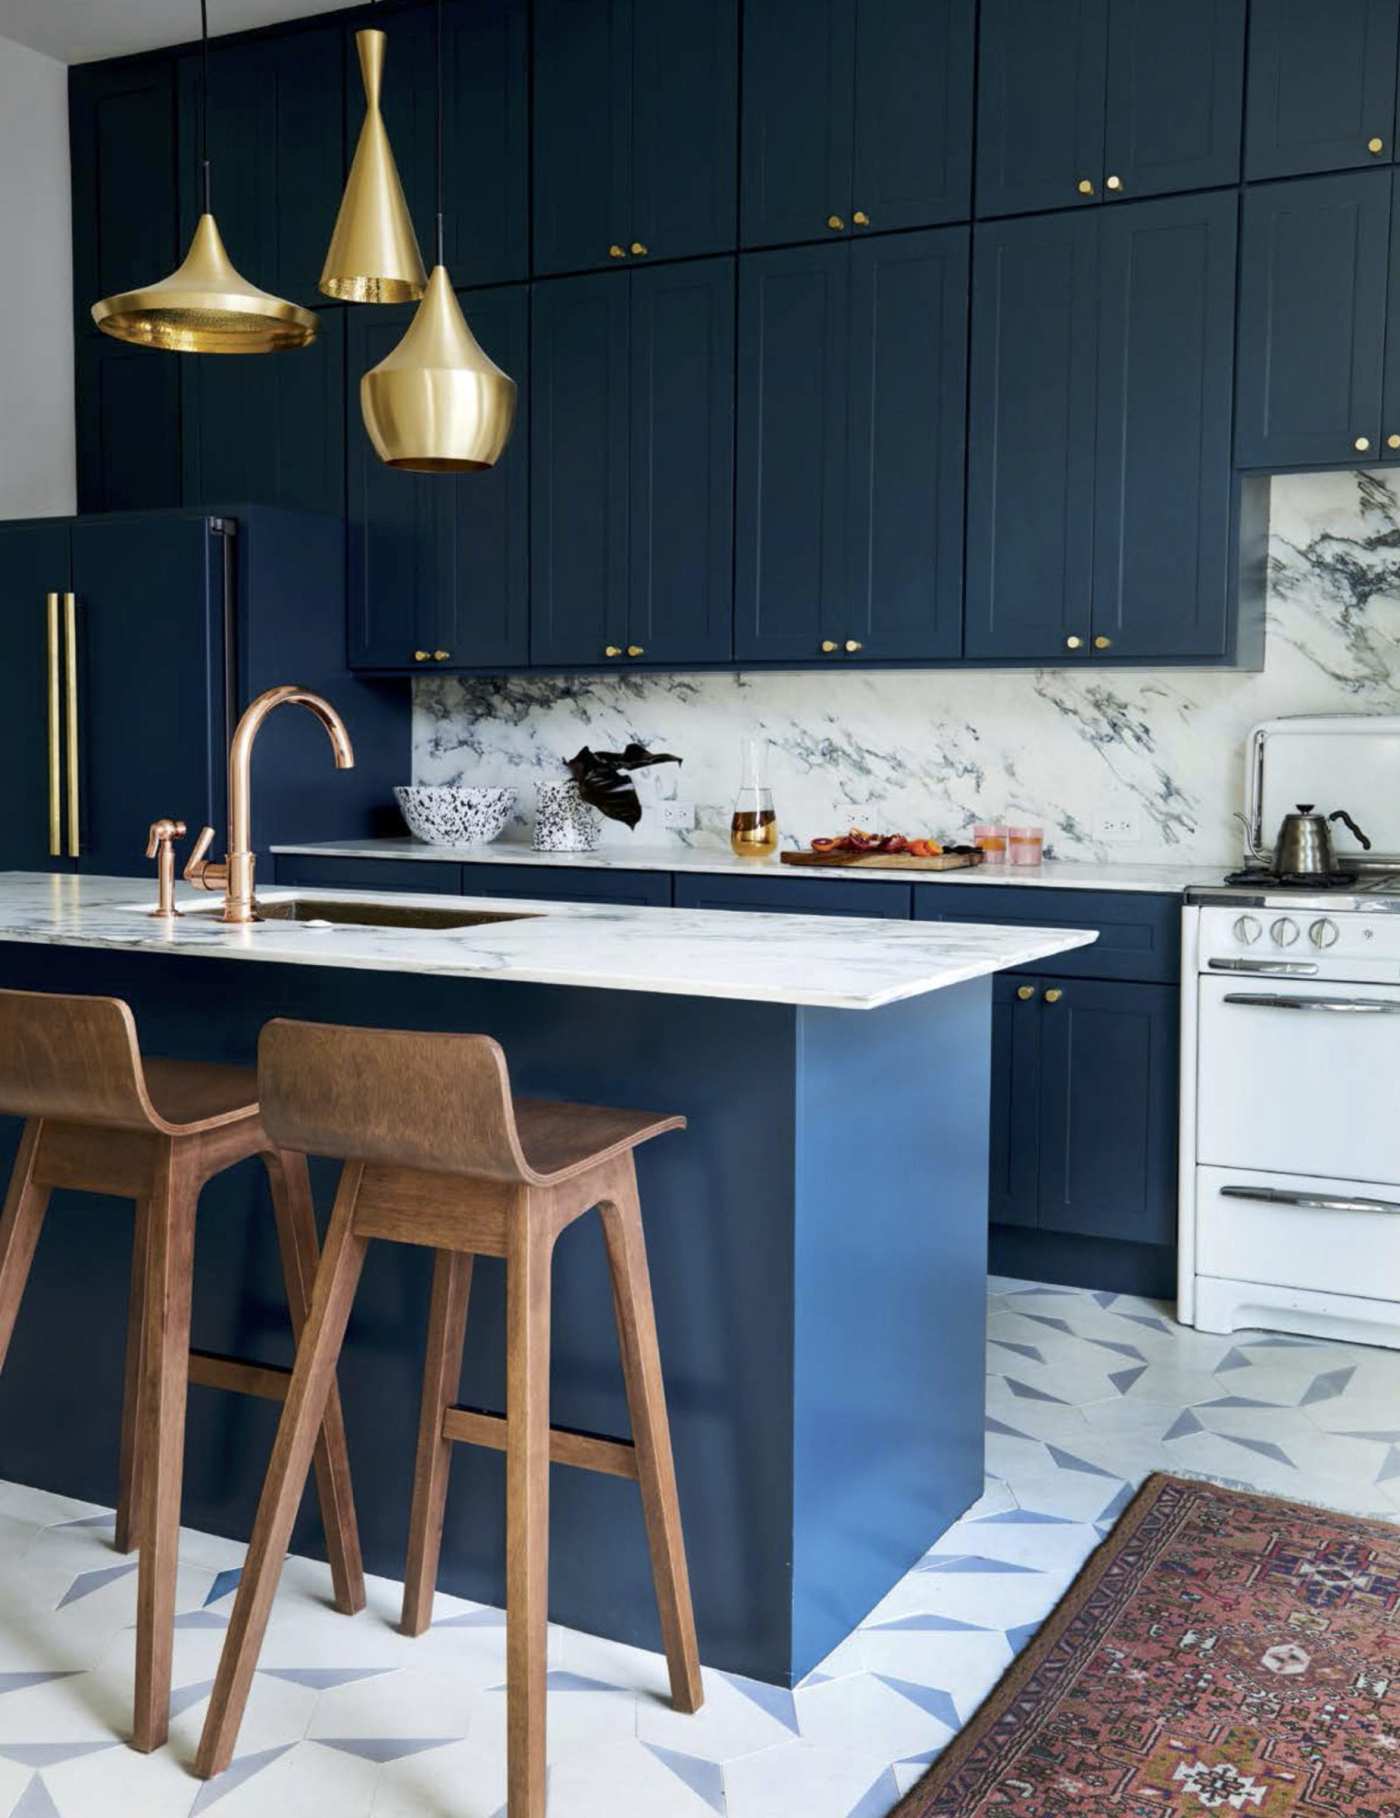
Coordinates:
(563,820)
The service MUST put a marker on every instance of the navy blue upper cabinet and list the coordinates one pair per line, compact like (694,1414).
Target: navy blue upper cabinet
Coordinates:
(1313,289)
(635,130)
(1087,101)
(438,567)
(633,470)
(1032,437)
(857,115)
(486,134)
(277,154)
(128,425)
(1321,85)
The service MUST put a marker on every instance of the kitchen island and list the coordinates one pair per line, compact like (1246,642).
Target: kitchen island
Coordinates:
(817,1236)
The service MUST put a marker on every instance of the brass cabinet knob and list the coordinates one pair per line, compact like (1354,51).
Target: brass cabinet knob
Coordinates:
(860,218)
(1103,643)
(612,650)
(635,650)
(441,656)
(827,646)
(1392,441)
(1074,643)
(835,222)
(1053,995)
(617,252)
(853,645)
(1375,146)
(1114,183)
(420,656)
(1085,186)
(1361,444)
(1025,993)
(638,248)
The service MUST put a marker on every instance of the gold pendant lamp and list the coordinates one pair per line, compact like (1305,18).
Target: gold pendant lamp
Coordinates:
(205,306)
(373,255)
(437,403)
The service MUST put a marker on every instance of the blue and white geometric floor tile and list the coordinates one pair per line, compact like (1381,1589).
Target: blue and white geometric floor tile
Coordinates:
(1087,1394)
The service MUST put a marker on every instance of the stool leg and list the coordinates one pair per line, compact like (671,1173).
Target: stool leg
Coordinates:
(164,1379)
(302,1414)
(20,1223)
(527,1512)
(297,1240)
(651,1434)
(442,1374)
(128,1535)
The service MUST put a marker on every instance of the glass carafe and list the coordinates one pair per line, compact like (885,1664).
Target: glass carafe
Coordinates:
(753,832)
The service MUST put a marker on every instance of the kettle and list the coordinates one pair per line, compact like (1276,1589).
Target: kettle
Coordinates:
(1304,844)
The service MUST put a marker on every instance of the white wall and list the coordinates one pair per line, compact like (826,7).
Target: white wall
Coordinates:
(37,462)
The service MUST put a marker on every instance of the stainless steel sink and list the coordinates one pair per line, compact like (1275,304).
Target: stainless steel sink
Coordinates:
(345,912)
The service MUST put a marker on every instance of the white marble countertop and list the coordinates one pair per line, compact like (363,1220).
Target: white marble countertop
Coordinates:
(850,963)
(1054,874)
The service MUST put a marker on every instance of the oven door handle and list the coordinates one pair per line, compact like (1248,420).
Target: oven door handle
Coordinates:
(1317,1202)
(1339,1006)
(1276,968)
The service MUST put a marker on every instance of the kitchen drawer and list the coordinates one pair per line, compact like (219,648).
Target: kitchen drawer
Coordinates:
(1327,1250)
(436,877)
(566,884)
(1139,935)
(776,893)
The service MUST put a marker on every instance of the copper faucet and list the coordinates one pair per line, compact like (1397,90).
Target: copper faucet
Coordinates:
(160,845)
(235,875)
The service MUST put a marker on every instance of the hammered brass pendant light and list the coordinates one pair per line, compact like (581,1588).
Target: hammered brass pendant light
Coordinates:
(205,306)
(373,255)
(437,403)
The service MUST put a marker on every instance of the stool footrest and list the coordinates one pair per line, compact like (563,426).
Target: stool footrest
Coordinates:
(567,1446)
(211,1371)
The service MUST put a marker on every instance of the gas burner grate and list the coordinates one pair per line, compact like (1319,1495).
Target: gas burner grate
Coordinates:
(1294,880)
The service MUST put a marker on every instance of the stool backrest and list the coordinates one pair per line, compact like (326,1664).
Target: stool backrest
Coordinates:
(439,1102)
(76,1059)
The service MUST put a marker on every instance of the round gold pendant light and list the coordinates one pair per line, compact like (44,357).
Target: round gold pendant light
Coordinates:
(373,256)
(437,403)
(205,306)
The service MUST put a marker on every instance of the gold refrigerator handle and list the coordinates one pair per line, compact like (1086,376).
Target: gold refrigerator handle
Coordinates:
(70,676)
(55,733)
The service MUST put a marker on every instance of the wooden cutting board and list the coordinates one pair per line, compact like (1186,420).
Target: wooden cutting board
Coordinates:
(885,861)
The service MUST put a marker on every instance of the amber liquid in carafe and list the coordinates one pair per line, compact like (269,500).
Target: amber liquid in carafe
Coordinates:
(753,833)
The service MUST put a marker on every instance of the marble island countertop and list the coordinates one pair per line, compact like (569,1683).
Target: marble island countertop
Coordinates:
(1054,874)
(846,963)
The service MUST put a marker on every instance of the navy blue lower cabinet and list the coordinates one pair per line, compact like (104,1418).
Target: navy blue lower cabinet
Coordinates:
(1321,85)
(1139,933)
(35,567)
(1014,1185)
(566,884)
(779,895)
(1108,1110)
(433,877)
(1312,320)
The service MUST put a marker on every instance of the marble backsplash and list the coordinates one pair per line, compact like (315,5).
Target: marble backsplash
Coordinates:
(936,750)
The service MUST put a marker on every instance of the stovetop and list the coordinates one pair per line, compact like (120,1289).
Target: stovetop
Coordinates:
(1339,890)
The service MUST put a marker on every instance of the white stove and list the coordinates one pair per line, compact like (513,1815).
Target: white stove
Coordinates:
(1290,1123)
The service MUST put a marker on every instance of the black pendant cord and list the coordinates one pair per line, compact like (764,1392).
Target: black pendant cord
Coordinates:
(440,260)
(204,105)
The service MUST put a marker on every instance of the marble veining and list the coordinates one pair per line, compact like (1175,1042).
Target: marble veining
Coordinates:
(932,751)
(850,963)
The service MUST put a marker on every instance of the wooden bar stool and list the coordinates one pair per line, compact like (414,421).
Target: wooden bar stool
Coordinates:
(437,1152)
(102,1120)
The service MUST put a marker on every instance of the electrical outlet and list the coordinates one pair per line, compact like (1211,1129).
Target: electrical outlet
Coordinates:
(866,815)
(1118,829)
(677,816)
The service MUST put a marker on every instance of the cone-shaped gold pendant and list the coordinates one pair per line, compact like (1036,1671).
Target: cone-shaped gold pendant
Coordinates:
(437,404)
(205,307)
(373,256)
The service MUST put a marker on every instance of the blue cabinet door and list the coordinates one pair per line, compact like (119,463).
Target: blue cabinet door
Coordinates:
(907,437)
(128,425)
(684,127)
(791,515)
(798,133)
(1321,85)
(777,893)
(1162,569)
(1390,396)
(277,154)
(681,481)
(580,469)
(582,131)
(437,565)
(486,132)
(34,564)
(1108,1135)
(1175,96)
(1014,1186)
(1312,319)
(1032,439)
(912,152)
(565,884)
(268,430)
(1040,104)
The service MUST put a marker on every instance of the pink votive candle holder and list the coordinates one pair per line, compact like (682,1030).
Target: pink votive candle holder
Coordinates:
(1025,845)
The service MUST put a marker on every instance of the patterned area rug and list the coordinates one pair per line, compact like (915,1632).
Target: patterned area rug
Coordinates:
(1221,1652)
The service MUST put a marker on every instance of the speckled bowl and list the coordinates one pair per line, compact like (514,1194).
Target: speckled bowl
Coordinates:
(444,816)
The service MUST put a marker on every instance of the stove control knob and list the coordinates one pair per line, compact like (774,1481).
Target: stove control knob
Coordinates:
(1284,931)
(1323,933)
(1248,929)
